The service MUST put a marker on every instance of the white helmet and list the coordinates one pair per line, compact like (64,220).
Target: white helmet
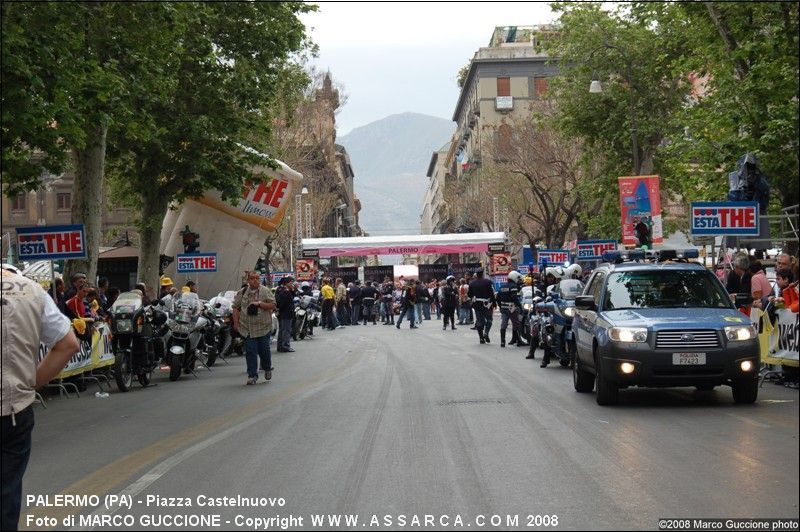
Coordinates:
(450,278)
(515,277)
(555,271)
(11,268)
(305,284)
(574,271)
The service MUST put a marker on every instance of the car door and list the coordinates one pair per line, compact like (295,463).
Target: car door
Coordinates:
(586,320)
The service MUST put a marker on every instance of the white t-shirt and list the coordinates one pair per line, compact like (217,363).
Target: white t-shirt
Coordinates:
(55,325)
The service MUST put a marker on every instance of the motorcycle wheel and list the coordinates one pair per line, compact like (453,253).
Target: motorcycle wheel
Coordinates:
(144,378)
(123,372)
(174,368)
(211,357)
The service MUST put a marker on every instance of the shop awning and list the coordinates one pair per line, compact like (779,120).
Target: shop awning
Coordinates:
(404,244)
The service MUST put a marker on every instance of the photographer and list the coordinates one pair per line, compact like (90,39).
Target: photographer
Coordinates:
(255,325)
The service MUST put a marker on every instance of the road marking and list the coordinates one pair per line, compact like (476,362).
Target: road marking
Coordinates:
(103,480)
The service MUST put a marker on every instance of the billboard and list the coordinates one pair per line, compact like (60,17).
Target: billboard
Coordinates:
(347,274)
(640,209)
(460,270)
(196,262)
(593,249)
(554,256)
(306,269)
(51,242)
(737,218)
(428,272)
(501,263)
(378,273)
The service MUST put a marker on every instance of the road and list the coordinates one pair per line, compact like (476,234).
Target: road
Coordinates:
(390,425)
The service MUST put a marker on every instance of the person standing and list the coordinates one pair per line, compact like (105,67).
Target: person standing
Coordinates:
(481,292)
(511,308)
(284,300)
(328,300)
(463,301)
(29,318)
(407,303)
(252,318)
(449,302)
(354,298)
(435,290)
(423,302)
(343,314)
(368,296)
(387,297)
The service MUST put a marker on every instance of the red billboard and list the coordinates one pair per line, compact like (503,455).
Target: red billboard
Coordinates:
(640,208)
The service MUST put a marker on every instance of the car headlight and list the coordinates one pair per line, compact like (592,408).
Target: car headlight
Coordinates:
(628,334)
(740,333)
(569,312)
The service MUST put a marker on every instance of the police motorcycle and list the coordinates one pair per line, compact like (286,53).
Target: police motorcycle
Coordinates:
(138,339)
(188,326)
(219,339)
(211,333)
(556,312)
(307,315)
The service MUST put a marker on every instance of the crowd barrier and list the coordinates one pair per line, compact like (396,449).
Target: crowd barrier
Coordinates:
(779,341)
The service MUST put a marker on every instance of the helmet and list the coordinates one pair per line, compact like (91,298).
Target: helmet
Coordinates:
(515,277)
(450,278)
(305,284)
(556,271)
(574,271)
(166,281)
(11,268)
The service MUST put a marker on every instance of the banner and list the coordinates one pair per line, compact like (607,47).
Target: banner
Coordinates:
(501,264)
(306,269)
(737,218)
(554,256)
(640,207)
(593,249)
(97,353)
(197,263)
(784,342)
(348,275)
(274,277)
(460,270)
(429,272)
(53,242)
(431,249)
(378,273)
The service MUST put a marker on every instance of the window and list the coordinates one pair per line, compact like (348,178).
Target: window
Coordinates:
(596,287)
(503,142)
(504,86)
(64,201)
(665,289)
(540,87)
(18,203)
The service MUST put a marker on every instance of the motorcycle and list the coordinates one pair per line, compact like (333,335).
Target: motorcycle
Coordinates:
(307,316)
(138,342)
(211,334)
(220,308)
(555,315)
(187,325)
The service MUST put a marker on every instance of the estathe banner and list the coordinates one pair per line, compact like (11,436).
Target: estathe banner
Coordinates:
(593,249)
(553,256)
(738,218)
(197,263)
(640,207)
(51,242)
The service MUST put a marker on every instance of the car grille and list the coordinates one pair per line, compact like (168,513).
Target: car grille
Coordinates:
(680,340)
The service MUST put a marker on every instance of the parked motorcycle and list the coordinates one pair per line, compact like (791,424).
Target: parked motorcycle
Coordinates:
(222,311)
(307,316)
(187,325)
(211,333)
(555,315)
(138,342)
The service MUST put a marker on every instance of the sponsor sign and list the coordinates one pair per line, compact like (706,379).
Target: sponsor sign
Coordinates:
(310,253)
(553,256)
(97,353)
(378,273)
(498,247)
(501,264)
(51,242)
(640,207)
(428,272)
(594,249)
(196,262)
(275,276)
(739,218)
(306,269)
(431,249)
(460,270)
(347,274)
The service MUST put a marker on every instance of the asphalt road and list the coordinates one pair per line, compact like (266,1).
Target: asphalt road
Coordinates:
(392,426)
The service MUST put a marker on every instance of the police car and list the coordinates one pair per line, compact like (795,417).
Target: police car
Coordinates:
(655,319)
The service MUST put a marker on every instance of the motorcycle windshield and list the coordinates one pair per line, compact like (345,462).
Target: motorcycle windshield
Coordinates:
(126,303)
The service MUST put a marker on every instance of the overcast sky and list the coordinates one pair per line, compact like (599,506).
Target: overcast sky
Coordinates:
(396,57)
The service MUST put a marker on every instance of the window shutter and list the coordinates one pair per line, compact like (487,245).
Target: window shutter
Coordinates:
(540,86)
(504,86)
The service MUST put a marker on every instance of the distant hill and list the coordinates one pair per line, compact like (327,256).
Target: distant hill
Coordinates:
(390,158)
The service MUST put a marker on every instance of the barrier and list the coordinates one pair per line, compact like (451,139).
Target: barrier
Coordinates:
(778,342)
(94,354)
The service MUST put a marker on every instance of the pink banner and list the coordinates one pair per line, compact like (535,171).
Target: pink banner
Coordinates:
(404,250)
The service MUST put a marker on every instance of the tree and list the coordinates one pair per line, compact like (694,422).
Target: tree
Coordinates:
(212,89)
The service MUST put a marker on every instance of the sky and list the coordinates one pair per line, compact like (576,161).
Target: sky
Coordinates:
(391,58)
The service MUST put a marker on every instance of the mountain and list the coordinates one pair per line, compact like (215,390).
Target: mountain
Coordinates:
(390,158)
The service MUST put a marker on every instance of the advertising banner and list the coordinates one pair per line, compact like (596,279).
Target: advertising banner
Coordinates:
(97,353)
(348,274)
(196,262)
(306,269)
(428,272)
(640,207)
(378,273)
(501,264)
(275,277)
(432,249)
(593,249)
(460,270)
(553,256)
(51,242)
(738,218)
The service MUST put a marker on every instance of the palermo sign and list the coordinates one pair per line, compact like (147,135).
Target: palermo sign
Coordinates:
(737,218)
(51,242)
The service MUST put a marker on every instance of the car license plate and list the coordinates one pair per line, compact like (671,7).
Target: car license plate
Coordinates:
(688,359)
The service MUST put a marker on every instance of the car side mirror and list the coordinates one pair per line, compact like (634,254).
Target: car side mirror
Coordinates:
(744,300)
(585,303)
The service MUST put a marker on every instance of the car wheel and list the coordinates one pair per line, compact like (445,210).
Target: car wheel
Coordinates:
(745,391)
(581,379)
(607,391)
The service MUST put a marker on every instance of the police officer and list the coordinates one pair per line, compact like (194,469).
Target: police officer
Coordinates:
(368,295)
(481,293)
(553,277)
(508,299)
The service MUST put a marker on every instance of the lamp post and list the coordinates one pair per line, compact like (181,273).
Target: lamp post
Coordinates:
(596,88)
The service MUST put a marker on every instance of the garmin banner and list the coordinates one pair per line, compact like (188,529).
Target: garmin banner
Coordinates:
(378,273)
(460,270)
(348,275)
(429,272)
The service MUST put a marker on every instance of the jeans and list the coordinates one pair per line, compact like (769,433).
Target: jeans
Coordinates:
(284,332)
(257,349)
(328,315)
(16,449)
(408,312)
(356,316)
(463,314)
(342,314)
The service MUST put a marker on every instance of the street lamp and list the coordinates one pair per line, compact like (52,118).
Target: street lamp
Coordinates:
(596,88)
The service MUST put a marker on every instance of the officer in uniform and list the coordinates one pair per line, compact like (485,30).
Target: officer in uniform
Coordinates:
(553,277)
(481,293)
(508,299)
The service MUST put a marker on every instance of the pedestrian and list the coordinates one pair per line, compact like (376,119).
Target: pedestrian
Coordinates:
(463,302)
(77,280)
(342,312)
(434,288)
(252,319)
(509,299)
(328,302)
(449,302)
(387,300)
(481,293)
(407,303)
(368,296)
(354,299)
(30,318)
(166,287)
(423,302)
(284,300)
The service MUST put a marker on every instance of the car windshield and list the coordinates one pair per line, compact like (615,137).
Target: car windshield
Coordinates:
(570,289)
(664,289)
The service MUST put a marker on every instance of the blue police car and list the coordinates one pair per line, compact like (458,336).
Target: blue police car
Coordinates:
(656,319)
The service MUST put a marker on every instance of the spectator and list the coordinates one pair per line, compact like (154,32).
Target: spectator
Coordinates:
(102,289)
(739,278)
(252,318)
(111,295)
(29,318)
(60,299)
(166,287)
(759,285)
(77,279)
